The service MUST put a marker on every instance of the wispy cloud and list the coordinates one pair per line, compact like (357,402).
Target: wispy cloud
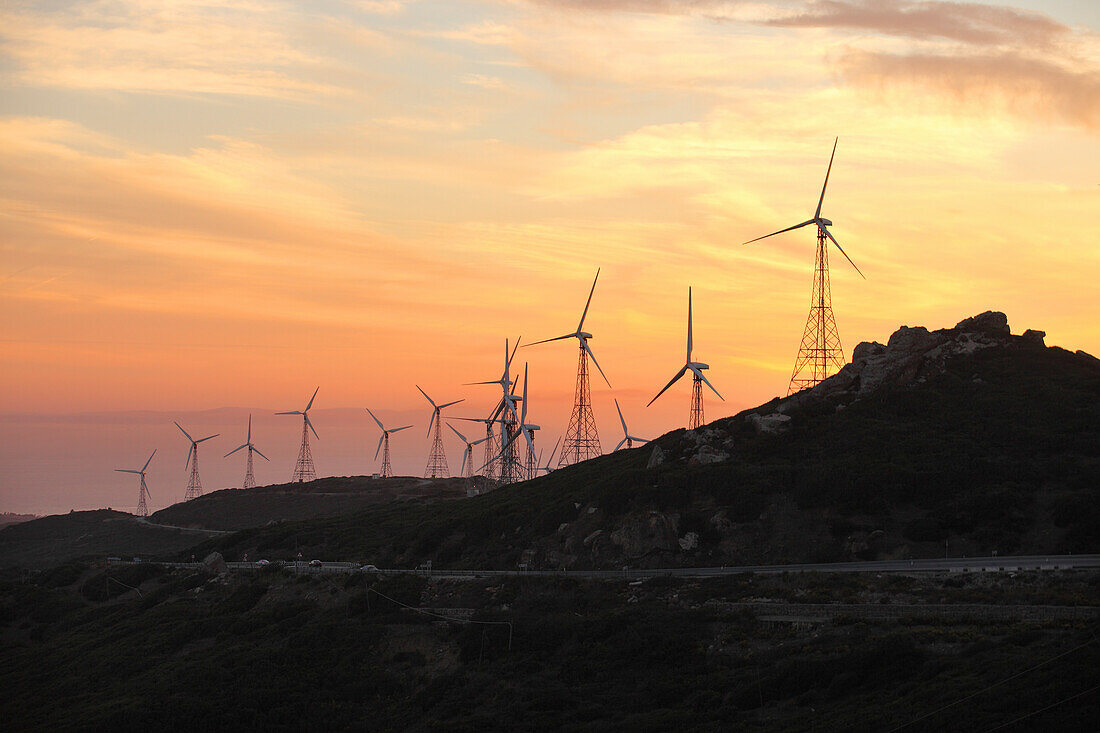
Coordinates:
(970,23)
(244,49)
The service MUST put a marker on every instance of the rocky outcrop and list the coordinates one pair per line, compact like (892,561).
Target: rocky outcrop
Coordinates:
(914,354)
(640,534)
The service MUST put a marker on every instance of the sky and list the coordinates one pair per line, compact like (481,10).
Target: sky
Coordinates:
(209,209)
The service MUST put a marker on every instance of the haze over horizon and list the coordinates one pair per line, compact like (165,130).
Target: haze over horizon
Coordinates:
(213,204)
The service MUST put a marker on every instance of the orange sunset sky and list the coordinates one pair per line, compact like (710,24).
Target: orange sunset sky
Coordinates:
(226,204)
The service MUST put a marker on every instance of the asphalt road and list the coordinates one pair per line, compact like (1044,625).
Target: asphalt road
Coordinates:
(954,564)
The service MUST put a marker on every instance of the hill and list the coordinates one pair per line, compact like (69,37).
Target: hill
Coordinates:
(967,440)
(49,541)
(232,509)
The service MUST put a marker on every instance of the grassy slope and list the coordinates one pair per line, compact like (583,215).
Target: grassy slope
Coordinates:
(45,542)
(1000,453)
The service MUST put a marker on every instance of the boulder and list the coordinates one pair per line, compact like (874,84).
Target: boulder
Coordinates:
(1035,337)
(988,321)
(215,562)
(706,455)
(772,424)
(656,458)
(640,534)
(689,542)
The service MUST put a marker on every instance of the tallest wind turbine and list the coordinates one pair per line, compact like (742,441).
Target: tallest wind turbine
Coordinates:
(820,352)
(582,441)
(303,468)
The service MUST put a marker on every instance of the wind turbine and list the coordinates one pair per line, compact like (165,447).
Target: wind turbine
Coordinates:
(627,437)
(547,468)
(303,468)
(384,442)
(194,485)
(437,459)
(820,351)
(142,507)
(499,466)
(467,470)
(695,418)
(249,479)
(528,433)
(582,441)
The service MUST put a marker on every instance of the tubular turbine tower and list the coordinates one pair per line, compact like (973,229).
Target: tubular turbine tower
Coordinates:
(303,467)
(820,355)
(582,440)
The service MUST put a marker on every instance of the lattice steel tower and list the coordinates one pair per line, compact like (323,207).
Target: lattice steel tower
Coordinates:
(581,440)
(695,417)
(384,445)
(249,479)
(820,352)
(437,457)
(303,467)
(194,484)
(143,491)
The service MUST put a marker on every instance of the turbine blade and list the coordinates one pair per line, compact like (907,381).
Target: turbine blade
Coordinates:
(315,435)
(245,445)
(261,454)
(796,226)
(593,357)
(250,427)
(589,302)
(431,422)
(150,458)
(376,419)
(620,415)
(689,325)
(452,427)
(398,430)
(523,419)
(294,412)
(678,375)
(126,470)
(640,440)
(546,341)
(527,434)
(182,430)
(817,214)
(147,492)
(620,445)
(380,439)
(312,398)
(429,399)
(208,437)
(830,236)
(448,404)
(705,381)
(190,450)
(465,455)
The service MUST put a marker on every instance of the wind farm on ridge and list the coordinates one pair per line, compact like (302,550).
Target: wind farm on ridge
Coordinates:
(506,458)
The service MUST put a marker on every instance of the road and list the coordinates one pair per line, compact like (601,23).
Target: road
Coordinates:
(955,564)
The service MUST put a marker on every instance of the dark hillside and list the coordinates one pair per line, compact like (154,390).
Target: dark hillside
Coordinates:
(271,651)
(966,440)
(231,509)
(49,541)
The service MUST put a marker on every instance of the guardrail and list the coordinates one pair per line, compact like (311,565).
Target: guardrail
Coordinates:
(948,565)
